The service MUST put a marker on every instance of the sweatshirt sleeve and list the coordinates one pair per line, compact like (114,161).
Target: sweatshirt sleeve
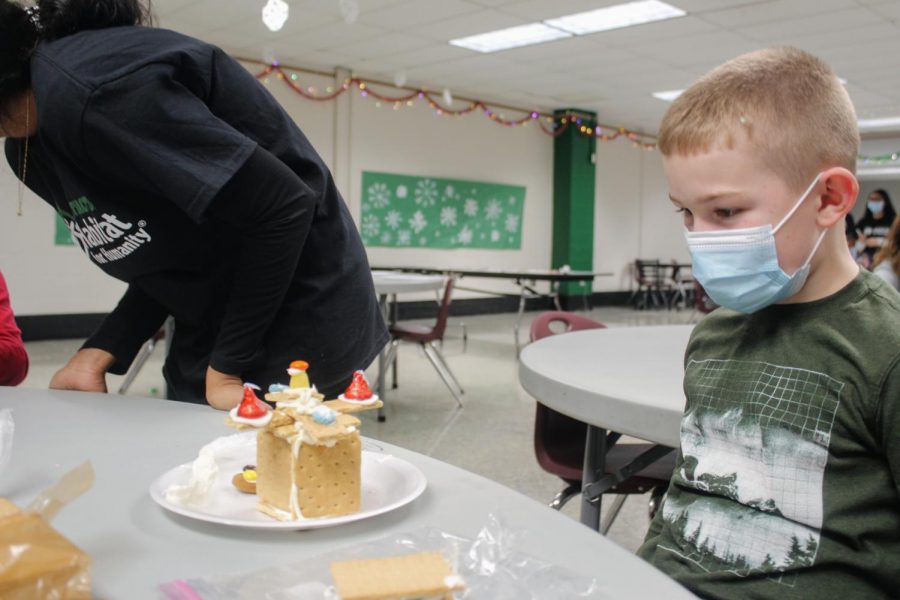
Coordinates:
(273,209)
(135,319)
(13,358)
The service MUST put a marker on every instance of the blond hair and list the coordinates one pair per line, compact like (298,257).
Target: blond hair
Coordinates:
(788,104)
(890,252)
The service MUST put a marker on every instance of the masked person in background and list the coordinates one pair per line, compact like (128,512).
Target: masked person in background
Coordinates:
(179,174)
(876,222)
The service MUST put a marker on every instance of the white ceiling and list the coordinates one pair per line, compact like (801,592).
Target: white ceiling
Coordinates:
(612,72)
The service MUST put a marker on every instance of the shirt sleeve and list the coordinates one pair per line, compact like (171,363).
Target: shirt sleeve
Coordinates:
(273,209)
(13,358)
(151,131)
(135,319)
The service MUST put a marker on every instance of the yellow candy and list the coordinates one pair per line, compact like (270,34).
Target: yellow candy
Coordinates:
(250,475)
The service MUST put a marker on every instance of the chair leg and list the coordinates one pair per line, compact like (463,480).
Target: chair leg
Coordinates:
(139,362)
(394,362)
(614,509)
(656,499)
(564,496)
(389,357)
(435,362)
(447,369)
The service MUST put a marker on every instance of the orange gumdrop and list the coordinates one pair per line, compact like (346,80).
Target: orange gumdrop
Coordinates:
(299,364)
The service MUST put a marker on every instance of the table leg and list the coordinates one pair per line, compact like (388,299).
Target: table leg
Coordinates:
(382,364)
(395,316)
(522,288)
(594,467)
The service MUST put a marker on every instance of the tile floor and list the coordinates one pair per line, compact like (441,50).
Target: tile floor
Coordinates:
(491,435)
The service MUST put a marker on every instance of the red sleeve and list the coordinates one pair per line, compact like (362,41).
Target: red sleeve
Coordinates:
(13,359)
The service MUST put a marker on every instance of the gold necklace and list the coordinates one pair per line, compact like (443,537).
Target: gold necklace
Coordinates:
(23,160)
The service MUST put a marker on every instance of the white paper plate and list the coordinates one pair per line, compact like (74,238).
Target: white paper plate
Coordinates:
(387,484)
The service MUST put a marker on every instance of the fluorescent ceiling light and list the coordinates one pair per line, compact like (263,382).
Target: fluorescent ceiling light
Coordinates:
(884,123)
(668,96)
(616,17)
(512,37)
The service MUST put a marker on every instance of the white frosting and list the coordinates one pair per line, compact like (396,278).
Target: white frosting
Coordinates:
(453,582)
(351,428)
(258,422)
(303,400)
(366,402)
(203,474)
(293,372)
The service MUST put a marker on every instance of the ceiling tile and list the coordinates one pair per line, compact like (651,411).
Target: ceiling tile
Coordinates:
(415,13)
(832,22)
(768,12)
(468,24)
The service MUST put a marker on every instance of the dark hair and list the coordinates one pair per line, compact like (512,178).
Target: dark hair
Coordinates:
(21,29)
(888,213)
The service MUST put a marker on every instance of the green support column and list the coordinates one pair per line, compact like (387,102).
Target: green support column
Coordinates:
(574,176)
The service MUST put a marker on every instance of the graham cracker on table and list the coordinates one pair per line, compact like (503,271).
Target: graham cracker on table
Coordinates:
(409,576)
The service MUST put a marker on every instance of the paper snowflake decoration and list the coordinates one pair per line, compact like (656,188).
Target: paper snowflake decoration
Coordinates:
(393,219)
(371,226)
(464,236)
(512,223)
(470,207)
(418,222)
(379,195)
(448,216)
(426,192)
(493,210)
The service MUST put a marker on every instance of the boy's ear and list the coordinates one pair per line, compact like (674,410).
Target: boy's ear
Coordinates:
(838,197)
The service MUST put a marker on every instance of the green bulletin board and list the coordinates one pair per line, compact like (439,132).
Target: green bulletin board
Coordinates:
(428,212)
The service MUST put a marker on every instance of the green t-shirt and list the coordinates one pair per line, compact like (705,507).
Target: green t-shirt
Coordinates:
(787,483)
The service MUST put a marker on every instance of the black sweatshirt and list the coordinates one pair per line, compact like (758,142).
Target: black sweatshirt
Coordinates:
(178,173)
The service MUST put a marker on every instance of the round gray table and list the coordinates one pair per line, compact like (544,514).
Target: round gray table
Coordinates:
(622,379)
(136,545)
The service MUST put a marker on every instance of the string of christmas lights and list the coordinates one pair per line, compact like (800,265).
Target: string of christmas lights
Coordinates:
(549,124)
(880,159)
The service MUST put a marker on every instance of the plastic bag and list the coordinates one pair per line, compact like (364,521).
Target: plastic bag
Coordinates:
(36,562)
(489,565)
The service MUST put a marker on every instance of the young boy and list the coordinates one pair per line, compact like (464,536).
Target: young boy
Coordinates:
(787,480)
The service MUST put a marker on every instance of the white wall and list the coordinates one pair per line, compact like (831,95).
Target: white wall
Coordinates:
(633,217)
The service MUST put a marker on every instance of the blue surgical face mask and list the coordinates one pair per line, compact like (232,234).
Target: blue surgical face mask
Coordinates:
(875,206)
(739,268)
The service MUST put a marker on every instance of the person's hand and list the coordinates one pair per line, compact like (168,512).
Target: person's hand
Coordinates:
(223,391)
(85,372)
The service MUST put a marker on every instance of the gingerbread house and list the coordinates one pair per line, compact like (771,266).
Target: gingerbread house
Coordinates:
(309,455)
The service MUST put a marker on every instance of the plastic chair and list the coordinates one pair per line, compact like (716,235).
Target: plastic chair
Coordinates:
(429,338)
(652,284)
(141,359)
(559,441)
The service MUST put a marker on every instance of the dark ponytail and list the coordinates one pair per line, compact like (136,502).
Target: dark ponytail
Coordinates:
(22,29)
(59,18)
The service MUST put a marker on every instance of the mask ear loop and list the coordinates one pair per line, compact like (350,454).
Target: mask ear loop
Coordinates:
(792,211)
(797,205)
